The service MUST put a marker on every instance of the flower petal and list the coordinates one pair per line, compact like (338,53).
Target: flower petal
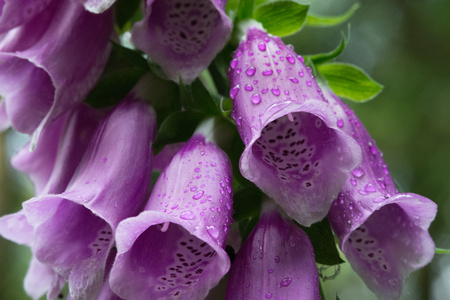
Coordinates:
(44,54)
(294,150)
(183,37)
(16,12)
(74,230)
(175,248)
(383,233)
(275,262)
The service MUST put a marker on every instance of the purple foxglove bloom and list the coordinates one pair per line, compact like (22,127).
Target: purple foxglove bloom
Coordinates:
(50,63)
(174,249)
(74,230)
(50,167)
(383,233)
(183,36)
(294,150)
(275,262)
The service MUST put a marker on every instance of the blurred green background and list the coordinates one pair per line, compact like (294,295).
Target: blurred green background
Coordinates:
(404,45)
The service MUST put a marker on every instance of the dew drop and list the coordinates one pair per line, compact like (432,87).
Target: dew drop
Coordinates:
(256,98)
(285,282)
(197,169)
(105,159)
(234,91)
(270,271)
(267,72)
(358,172)
(268,295)
(264,90)
(187,215)
(212,231)
(308,83)
(262,46)
(248,87)
(353,181)
(300,58)
(290,59)
(198,195)
(250,71)
(275,91)
(293,79)
(370,188)
(301,74)
(277,259)
(340,123)
(234,63)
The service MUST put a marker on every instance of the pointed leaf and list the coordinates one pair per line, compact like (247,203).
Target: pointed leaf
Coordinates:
(281,18)
(314,20)
(321,58)
(349,81)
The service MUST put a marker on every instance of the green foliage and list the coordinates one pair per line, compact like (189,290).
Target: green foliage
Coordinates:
(350,82)
(314,20)
(247,207)
(442,251)
(126,13)
(197,98)
(321,58)
(281,18)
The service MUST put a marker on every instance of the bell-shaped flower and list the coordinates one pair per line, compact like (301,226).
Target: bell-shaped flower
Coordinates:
(50,168)
(276,261)
(182,36)
(174,249)
(294,151)
(49,64)
(383,233)
(74,230)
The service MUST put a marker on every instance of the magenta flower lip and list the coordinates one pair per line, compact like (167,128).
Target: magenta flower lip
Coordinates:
(383,233)
(175,247)
(183,37)
(294,151)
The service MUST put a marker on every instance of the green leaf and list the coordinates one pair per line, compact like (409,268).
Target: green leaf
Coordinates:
(281,18)
(245,9)
(123,70)
(314,20)
(124,11)
(337,297)
(247,203)
(323,243)
(349,81)
(197,98)
(178,127)
(321,58)
(442,251)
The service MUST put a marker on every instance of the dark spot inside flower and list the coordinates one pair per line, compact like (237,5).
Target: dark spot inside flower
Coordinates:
(231,253)
(60,296)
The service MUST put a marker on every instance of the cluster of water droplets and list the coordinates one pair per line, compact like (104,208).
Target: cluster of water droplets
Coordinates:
(189,24)
(190,260)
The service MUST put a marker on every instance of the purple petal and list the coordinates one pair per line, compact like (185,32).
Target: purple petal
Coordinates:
(97,6)
(383,233)
(294,151)
(175,248)
(42,74)
(16,12)
(275,262)
(183,37)
(110,185)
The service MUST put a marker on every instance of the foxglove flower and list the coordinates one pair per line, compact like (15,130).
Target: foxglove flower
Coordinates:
(50,63)
(294,150)
(174,249)
(182,36)
(74,230)
(50,168)
(383,233)
(275,262)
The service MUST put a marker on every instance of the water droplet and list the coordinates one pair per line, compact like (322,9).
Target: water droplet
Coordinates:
(238,70)
(340,123)
(248,87)
(250,53)
(198,195)
(213,232)
(256,98)
(213,164)
(277,259)
(267,72)
(262,46)
(193,188)
(234,63)
(353,181)
(301,74)
(286,281)
(187,215)
(381,183)
(268,295)
(358,172)
(363,192)
(175,206)
(275,91)
(197,169)
(300,58)
(234,91)
(105,159)
(270,271)
(308,83)
(250,71)
(370,188)
(264,90)
(290,59)
(293,79)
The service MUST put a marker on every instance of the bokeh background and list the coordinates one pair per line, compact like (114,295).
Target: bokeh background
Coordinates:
(404,45)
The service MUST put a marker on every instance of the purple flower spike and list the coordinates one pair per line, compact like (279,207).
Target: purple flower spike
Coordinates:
(174,249)
(275,262)
(294,151)
(383,233)
(74,230)
(183,36)
(50,63)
